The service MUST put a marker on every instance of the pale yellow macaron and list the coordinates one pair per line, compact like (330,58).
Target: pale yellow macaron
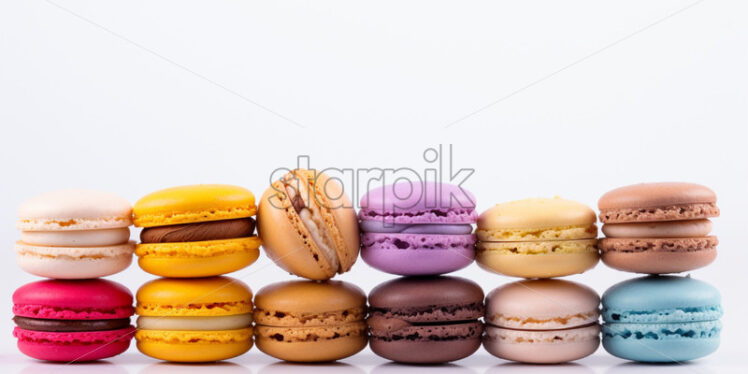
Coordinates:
(537,238)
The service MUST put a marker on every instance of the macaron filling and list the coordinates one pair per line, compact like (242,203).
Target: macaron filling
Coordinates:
(58,325)
(194,323)
(77,238)
(199,231)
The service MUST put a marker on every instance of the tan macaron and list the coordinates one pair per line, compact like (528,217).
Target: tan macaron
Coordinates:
(308,226)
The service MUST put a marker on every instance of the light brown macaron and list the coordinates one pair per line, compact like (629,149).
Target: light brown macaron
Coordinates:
(307,321)
(308,226)
(658,228)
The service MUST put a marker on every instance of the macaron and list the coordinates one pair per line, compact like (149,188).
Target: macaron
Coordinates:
(72,320)
(425,320)
(537,238)
(194,320)
(658,228)
(196,231)
(418,228)
(542,321)
(308,226)
(307,321)
(661,319)
(74,234)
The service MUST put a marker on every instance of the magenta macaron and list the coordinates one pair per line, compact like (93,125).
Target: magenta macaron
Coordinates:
(418,228)
(73,320)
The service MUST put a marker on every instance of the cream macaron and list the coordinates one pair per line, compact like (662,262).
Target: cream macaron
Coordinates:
(537,238)
(74,234)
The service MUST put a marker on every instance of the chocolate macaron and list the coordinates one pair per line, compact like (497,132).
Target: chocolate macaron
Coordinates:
(426,320)
(658,228)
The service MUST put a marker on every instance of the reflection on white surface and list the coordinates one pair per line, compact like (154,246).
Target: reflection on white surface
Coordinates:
(195,368)
(515,367)
(45,367)
(327,368)
(395,368)
(690,367)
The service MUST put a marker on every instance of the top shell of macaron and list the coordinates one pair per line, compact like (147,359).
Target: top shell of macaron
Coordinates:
(419,292)
(73,299)
(656,293)
(653,195)
(553,301)
(310,297)
(419,202)
(194,203)
(537,213)
(74,209)
(215,296)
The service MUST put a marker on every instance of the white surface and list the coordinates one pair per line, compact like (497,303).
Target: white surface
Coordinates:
(122,100)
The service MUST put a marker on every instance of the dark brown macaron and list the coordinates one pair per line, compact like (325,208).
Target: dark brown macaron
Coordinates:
(199,231)
(426,320)
(658,228)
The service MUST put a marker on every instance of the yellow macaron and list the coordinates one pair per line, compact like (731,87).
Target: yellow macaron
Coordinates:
(537,238)
(194,320)
(196,231)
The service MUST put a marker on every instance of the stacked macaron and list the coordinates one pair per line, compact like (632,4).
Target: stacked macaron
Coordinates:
(74,236)
(189,232)
(540,238)
(421,230)
(659,228)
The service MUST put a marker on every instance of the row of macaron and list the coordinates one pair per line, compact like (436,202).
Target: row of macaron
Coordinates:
(307,225)
(426,320)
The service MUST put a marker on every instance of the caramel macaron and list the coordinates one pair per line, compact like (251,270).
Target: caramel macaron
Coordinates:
(658,228)
(306,321)
(308,226)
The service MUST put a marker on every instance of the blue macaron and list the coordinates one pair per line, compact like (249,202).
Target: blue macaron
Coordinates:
(661,319)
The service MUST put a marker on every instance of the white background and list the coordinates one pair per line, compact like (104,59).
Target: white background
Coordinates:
(135,96)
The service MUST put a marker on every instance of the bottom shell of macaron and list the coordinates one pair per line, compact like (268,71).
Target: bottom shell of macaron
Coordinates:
(194,346)
(425,351)
(73,346)
(311,344)
(542,346)
(661,342)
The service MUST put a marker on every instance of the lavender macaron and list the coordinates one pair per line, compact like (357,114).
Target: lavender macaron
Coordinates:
(415,228)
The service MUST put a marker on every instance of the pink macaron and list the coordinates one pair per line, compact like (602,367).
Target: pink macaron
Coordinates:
(73,320)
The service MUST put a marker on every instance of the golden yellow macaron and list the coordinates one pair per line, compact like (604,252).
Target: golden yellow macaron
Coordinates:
(307,321)
(537,238)
(196,231)
(194,320)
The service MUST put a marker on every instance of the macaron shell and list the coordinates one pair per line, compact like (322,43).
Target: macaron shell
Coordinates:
(542,347)
(671,342)
(75,346)
(74,210)
(195,203)
(538,213)
(73,262)
(312,351)
(547,265)
(417,254)
(194,346)
(418,202)
(73,299)
(413,293)
(649,195)
(194,297)
(198,259)
(659,262)
(425,351)
(309,297)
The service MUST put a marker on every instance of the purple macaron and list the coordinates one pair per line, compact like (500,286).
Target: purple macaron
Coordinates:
(415,228)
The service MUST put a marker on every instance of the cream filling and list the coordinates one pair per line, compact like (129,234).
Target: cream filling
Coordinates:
(313,221)
(217,323)
(672,229)
(77,238)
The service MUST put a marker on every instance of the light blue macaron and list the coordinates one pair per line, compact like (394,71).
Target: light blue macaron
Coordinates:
(661,319)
